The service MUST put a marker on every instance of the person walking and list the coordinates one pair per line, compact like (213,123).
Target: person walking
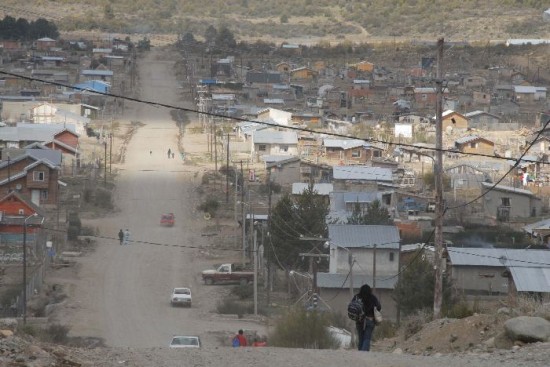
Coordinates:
(126,237)
(169,153)
(365,327)
(120,236)
(239,340)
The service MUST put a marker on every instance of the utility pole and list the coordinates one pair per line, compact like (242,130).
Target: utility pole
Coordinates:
(227,172)
(374,267)
(255,270)
(215,139)
(105,165)
(268,280)
(439,209)
(243,218)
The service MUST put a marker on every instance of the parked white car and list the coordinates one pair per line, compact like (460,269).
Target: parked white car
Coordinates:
(181,297)
(185,342)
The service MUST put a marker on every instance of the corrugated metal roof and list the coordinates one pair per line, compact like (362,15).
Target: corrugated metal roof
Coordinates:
(468,139)
(531,279)
(320,188)
(275,137)
(508,189)
(353,236)
(499,257)
(337,280)
(542,224)
(343,143)
(97,72)
(528,89)
(362,173)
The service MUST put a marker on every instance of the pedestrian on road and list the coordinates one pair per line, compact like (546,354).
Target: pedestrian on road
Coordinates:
(126,237)
(169,153)
(239,340)
(120,236)
(173,155)
(150,152)
(365,327)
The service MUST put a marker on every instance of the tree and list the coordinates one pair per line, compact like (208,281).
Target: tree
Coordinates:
(225,38)
(375,214)
(210,35)
(415,289)
(291,219)
(188,39)
(42,28)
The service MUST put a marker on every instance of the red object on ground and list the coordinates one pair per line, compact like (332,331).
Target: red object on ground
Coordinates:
(167,219)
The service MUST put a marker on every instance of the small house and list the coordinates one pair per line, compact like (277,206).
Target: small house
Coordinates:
(274,142)
(453,120)
(347,151)
(529,94)
(505,202)
(303,72)
(475,144)
(45,43)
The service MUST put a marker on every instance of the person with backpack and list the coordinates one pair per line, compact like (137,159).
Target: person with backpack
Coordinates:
(239,340)
(361,310)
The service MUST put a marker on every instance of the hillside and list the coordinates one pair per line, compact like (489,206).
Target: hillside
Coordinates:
(299,21)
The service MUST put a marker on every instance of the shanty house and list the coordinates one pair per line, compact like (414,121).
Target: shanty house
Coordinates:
(504,202)
(475,144)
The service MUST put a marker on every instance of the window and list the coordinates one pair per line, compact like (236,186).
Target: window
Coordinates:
(473,145)
(262,147)
(377,153)
(424,97)
(284,148)
(505,201)
(392,256)
(356,153)
(43,194)
(38,175)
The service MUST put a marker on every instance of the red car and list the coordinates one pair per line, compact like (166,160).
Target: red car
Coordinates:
(167,220)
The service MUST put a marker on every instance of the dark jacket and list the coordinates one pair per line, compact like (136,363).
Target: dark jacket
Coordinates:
(369,303)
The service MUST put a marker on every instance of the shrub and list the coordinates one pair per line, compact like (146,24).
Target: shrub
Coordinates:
(209,206)
(459,310)
(386,329)
(414,323)
(103,198)
(301,329)
(55,334)
(87,195)
(7,297)
(88,231)
(243,291)
(231,307)
(73,232)
(28,330)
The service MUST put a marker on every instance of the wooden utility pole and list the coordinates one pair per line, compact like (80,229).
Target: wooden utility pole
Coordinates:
(374,267)
(438,168)
(243,218)
(215,139)
(227,172)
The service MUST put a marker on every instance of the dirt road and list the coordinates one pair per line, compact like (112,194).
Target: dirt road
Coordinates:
(122,292)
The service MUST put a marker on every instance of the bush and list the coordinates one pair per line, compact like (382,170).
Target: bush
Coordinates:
(88,231)
(243,291)
(73,232)
(386,329)
(301,329)
(459,311)
(414,323)
(209,206)
(87,195)
(55,334)
(103,198)
(231,307)
(7,297)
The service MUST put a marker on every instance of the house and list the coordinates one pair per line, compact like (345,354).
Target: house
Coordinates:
(274,142)
(465,176)
(474,81)
(498,271)
(504,91)
(541,146)
(323,189)
(56,137)
(31,178)
(454,120)
(364,66)
(103,75)
(303,73)
(359,178)
(315,172)
(44,44)
(274,116)
(505,202)
(18,212)
(482,120)
(426,97)
(481,98)
(283,67)
(93,86)
(348,151)
(517,78)
(263,77)
(529,94)
(284,172)
(540,231)
(361,246)
(475,144)
(343,203)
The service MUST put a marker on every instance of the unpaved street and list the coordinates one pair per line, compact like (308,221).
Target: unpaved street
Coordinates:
(122,292)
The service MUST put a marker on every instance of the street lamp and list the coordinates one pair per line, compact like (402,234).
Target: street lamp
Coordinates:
(25,267)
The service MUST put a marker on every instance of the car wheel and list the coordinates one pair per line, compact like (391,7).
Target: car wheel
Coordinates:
(209,281)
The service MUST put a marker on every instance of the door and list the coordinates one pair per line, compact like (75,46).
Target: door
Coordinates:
(35,197)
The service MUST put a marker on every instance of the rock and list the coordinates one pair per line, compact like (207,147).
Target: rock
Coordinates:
(397,351)
(502,341)
(503,311)
(489,343)
(6,333)
(527,329)
(9,324)
(437,355)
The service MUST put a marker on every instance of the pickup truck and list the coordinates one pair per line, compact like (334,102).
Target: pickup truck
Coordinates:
(228,273)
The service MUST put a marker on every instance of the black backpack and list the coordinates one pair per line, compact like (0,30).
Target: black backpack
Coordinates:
(356,311)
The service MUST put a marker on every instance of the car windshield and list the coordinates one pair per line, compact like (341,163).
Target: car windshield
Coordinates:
(182,291)
(185,340)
